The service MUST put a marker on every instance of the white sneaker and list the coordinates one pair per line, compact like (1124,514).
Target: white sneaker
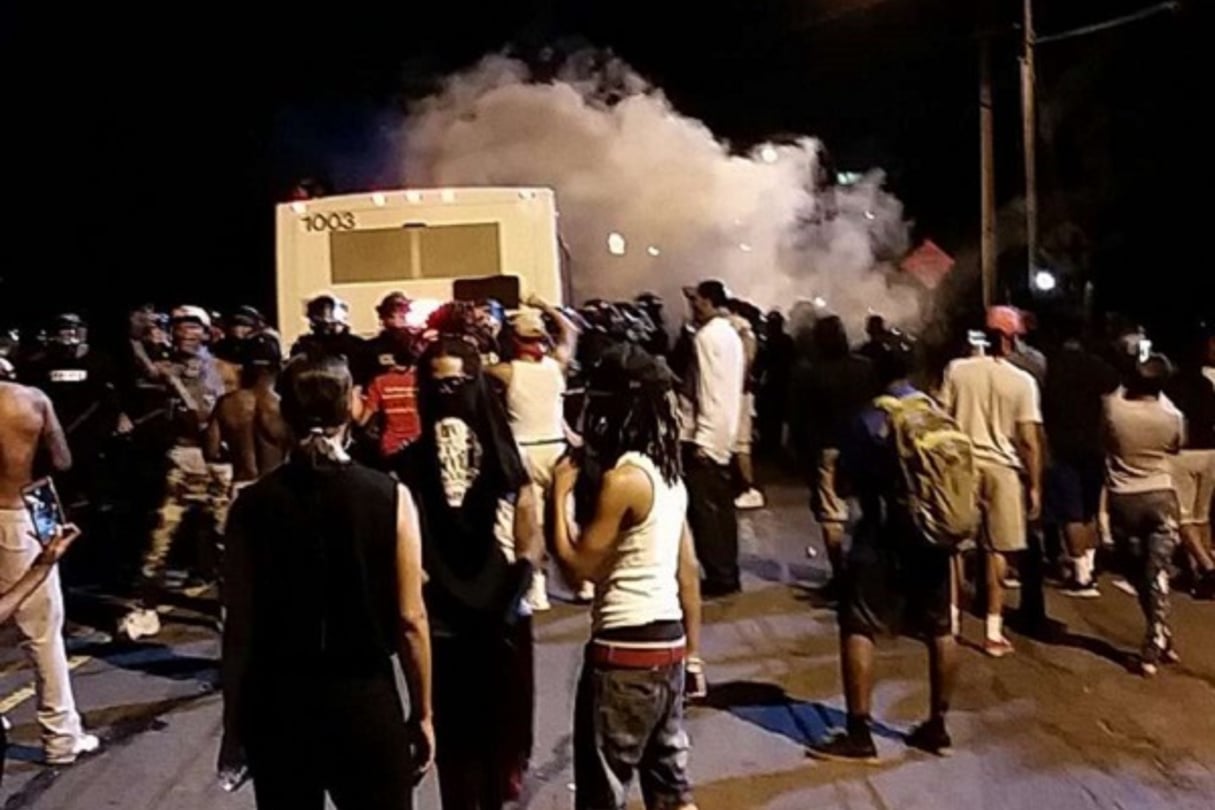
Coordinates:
(537,594)
(751,499)
(85,744)
(139,624)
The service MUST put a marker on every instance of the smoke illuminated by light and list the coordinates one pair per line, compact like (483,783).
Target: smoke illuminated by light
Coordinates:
(617,155)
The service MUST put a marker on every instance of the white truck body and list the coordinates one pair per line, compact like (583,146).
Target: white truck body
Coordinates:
(360,247)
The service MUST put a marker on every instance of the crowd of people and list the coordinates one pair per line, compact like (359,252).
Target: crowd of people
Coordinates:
(423,493)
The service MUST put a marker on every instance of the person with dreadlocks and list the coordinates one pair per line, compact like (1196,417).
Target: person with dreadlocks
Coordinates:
(480,542)
(630,504)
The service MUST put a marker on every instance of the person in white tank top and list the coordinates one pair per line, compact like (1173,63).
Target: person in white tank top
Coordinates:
(634,544)
(534,383)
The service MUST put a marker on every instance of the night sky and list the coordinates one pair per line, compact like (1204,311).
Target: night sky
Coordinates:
(148,151)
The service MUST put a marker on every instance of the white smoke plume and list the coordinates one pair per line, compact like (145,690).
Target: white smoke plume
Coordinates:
(624,162)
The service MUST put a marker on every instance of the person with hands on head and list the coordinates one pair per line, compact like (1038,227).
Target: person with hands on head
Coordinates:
(534,382)
(630,504)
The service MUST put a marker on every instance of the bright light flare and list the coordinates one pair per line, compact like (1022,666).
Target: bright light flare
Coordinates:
(1045,281)
(616,244)
(420,311)
(653,251)
(745,247)
(819,302)
(768,153)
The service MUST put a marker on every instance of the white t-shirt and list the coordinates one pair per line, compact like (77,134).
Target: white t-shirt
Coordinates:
(711,421)
(1141,437)
(534,401)
(642,586)
(989,397)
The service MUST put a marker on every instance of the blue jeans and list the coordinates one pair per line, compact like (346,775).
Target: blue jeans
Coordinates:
(625,721)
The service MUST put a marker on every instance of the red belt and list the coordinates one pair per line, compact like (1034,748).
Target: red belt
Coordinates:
(611,655)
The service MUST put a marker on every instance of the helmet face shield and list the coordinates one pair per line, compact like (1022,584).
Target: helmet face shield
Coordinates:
(327,315)
(69,332)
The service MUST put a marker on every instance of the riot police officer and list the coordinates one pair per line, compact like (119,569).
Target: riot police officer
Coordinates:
(329,336)
(191,482)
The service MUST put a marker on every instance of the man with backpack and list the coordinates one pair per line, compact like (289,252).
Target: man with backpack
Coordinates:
(913,474)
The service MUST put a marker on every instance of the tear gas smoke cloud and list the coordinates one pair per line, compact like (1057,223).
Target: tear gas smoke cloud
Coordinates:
(630,172)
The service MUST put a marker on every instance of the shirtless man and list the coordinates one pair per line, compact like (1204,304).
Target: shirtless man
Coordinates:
(247,421)
(28,422)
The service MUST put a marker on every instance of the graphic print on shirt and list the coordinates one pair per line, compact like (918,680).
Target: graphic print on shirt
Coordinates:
(460,454)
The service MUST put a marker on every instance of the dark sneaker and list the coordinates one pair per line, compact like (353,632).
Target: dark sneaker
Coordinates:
(1205,588)
(717,590)
(1076,590)
(930,737)
(844,747)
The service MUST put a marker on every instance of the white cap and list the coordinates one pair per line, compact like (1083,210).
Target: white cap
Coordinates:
(191,313)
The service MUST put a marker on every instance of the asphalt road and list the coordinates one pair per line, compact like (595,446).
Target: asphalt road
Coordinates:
(1062,725)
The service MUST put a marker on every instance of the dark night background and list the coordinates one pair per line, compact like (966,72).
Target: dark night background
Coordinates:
(146,151)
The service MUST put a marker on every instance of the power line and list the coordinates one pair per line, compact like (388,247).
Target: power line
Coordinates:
(1151,11)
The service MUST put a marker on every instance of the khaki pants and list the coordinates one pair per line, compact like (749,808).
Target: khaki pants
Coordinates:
(40,622)
(541,460)
(192,482)
(1002,504)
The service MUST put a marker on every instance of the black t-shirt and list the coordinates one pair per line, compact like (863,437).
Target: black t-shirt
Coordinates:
(1076,382)
(310,565)
(1194,396)
(350,347)
(835,391)
(85,393)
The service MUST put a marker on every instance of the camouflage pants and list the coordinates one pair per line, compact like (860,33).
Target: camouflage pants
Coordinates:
(1144,526)
(191,483)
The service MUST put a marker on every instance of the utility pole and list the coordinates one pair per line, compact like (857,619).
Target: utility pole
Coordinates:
(1029,135)
(987,160)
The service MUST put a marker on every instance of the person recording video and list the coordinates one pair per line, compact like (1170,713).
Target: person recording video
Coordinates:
(28,423)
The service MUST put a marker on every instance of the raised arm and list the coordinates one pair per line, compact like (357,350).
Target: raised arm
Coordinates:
(567,331)
(586,559)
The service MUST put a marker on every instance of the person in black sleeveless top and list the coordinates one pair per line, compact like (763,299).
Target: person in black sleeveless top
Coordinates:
(480,541)
(323,584)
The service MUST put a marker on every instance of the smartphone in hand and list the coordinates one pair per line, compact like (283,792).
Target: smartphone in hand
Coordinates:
(45,509)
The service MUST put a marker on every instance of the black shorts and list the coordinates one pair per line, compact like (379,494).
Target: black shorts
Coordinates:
(896,588)
(1073,489)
